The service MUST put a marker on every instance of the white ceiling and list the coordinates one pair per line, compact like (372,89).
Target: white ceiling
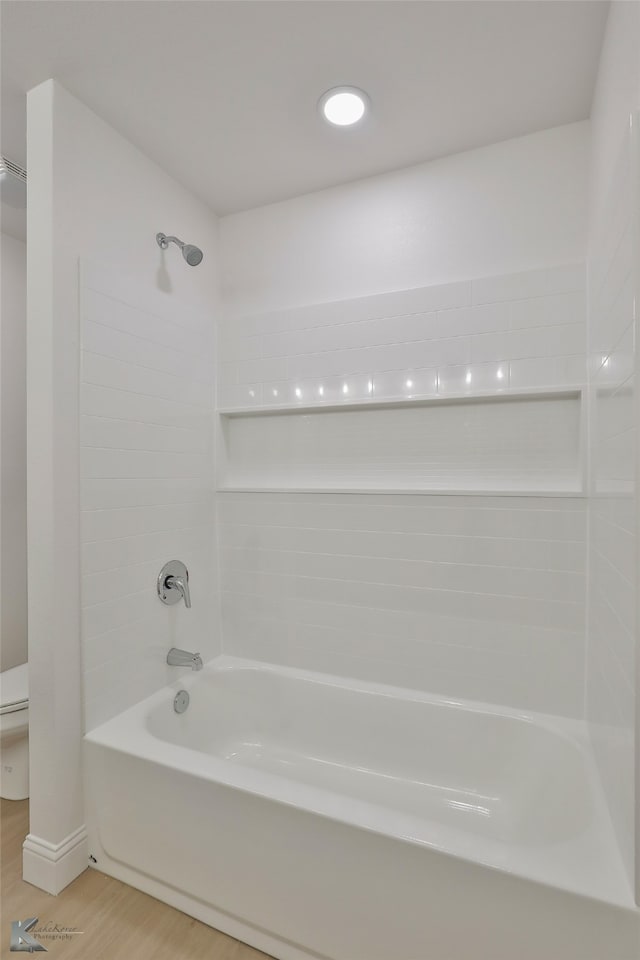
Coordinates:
(223,94)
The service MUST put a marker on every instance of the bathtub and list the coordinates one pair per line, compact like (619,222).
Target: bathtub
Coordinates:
(314,817)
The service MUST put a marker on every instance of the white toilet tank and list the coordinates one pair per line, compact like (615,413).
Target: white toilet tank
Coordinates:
(14,733)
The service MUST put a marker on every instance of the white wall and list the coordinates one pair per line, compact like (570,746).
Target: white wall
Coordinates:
(13,476)
(504,208)
(612,653)
(91,196)
(483,253)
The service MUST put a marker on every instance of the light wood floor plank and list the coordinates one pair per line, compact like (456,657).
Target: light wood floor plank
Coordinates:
(117,921)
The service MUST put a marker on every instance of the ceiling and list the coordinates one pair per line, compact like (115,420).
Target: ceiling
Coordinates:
(223,95)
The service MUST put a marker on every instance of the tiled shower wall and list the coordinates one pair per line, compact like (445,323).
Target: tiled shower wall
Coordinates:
(147,487)
(613,571)
(612,304)
(520,330)
(475,597)
(471,596)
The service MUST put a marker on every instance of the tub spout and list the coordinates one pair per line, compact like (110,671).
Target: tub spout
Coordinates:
(182,658)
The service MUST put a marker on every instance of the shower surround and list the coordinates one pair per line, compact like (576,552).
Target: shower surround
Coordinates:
(401,688)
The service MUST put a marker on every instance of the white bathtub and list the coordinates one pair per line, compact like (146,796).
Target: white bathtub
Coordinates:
(316,817)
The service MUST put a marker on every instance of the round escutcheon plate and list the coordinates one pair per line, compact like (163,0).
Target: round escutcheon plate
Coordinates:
(181,701)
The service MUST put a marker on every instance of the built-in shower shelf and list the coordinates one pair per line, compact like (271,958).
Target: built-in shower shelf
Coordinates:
(388,403)
(413,491)
(524,443)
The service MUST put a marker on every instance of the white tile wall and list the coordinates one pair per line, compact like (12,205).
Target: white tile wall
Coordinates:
(613,569)
(147,487)
(475,597)
(514,331)
(469,596)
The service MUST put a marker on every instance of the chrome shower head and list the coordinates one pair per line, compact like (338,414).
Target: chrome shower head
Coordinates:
(193,255)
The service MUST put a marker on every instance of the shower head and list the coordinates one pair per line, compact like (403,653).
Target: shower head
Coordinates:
(193,255)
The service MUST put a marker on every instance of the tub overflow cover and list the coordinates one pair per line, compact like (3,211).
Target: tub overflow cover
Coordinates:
(181,701)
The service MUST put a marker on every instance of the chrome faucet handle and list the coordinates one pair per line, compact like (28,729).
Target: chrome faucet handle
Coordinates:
(173,583)
(182,586)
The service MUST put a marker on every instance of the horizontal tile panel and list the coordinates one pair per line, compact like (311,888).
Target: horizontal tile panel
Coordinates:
(112,524)
(100,555)
(100,339)
(505,609)
(433,575)
(107,463)
(517,679)
(467,521)
(521,554)
(121,375)
(110,493)
(162,330)
(362,621)
(108,432)
(112,402)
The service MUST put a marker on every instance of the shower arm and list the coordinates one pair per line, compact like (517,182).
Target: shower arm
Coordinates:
(164,241)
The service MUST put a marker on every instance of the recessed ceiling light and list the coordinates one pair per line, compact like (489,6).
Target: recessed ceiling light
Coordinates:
(343,106)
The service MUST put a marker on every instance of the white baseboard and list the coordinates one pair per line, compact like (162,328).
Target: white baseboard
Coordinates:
(52,866)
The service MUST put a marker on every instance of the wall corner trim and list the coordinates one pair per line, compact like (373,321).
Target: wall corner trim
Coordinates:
(52,866)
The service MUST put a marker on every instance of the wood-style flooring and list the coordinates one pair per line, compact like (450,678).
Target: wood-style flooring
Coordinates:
(118,922)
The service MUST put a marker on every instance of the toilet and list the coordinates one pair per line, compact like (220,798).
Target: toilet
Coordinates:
(14,733)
